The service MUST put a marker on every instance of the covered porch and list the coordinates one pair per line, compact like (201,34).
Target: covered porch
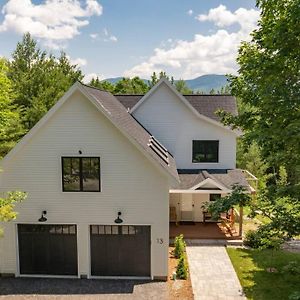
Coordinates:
(188,215)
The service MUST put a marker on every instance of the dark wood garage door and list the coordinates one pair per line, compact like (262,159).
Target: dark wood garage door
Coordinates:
(47,249)
(120,250)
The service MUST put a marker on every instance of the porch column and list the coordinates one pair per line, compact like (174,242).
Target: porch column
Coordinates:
(241,221)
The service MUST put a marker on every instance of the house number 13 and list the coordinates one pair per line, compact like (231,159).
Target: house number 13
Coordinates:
(159,241)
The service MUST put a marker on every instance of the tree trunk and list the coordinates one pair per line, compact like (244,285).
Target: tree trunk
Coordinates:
(241,221)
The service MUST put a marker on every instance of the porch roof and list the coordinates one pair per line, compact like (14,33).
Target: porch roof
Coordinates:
(224,177)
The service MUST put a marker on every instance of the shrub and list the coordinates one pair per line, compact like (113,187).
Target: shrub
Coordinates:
(179,246)
(263,238)
(252,239)
(293,268)
(182,268)
(295,296)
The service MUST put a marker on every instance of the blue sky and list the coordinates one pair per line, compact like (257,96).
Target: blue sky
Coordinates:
(112,38)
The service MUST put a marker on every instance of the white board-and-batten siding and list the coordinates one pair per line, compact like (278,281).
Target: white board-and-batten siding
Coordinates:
(175,125)
(130,183)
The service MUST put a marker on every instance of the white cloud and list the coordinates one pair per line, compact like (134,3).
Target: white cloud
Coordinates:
(190,12)
(106,36)
(80,62)
(94,35)
(205,54)
(53,21)
(88,77)
(113,38)
(222,17)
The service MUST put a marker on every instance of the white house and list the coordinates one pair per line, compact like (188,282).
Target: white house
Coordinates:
(204,149)
(100,181)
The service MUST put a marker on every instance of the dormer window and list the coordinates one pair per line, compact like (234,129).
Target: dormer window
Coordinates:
(81,174)
(206,151)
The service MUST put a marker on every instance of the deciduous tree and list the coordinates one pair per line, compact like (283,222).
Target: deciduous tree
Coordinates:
(10,123)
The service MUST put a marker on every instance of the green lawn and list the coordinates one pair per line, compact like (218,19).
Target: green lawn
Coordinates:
(251,265)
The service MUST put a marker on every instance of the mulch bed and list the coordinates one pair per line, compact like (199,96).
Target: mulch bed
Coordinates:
(178,289)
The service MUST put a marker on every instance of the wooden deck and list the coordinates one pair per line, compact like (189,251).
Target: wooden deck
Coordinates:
(199,230)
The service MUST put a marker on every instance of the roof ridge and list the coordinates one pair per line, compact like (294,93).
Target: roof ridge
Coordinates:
(212,95)
(195,95)
(95,88)
(128,94)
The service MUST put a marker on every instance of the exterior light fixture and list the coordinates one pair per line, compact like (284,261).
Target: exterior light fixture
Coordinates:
(118,220)
(80,152)
(43,217)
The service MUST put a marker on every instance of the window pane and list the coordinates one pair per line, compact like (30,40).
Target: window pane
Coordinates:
(101,229)
(71,174)
(131,230)
(65,229)
(205,151)
(214,197)
(94,229)
(107,229)
(124,229)
(72,229)
(90,173)
(115,229)
(58,229)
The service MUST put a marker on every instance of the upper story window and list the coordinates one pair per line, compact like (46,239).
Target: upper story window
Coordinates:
(214,197)
(81,174)
(205,151)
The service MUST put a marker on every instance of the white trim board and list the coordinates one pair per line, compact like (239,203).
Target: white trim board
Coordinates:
(174,191)
(211,181)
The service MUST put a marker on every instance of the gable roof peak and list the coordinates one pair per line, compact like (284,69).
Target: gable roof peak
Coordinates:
(184,100)
(116,113)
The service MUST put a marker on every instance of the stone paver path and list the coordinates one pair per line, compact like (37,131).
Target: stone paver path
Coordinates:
(212,274)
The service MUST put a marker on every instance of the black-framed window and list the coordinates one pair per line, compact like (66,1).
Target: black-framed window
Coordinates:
(205,151)
(81,174)
(214,197)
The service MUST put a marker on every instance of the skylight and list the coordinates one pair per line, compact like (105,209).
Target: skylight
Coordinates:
(159,149)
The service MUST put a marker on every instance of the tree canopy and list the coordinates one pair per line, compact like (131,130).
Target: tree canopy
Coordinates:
(10,123)
(268,83)
(268,89)
(39,79)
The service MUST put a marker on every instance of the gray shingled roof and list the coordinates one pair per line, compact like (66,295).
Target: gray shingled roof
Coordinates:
(225,177)
(121,118)
(206,105)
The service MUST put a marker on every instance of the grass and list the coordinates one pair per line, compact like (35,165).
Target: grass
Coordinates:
(257,283)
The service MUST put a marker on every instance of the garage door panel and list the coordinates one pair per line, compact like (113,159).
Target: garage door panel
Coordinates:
(25,256)
(99,251)
(120,250)
(47,249)
(40,253)
(127,254)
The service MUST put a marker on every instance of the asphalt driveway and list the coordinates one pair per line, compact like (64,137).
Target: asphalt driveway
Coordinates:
(87,289)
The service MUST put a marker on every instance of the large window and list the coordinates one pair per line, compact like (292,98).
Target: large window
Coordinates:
(81,174)
(205,151)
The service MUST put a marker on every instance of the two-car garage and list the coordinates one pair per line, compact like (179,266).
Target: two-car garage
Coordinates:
(115,250)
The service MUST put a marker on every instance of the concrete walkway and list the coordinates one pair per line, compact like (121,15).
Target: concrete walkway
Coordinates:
(212,274)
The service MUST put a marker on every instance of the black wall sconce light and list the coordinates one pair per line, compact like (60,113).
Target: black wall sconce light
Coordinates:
(118,220)
(43,217)
(80,152)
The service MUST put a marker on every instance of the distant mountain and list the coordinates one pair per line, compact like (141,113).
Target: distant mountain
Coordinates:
(113,80)
(207,82)
(202,83)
